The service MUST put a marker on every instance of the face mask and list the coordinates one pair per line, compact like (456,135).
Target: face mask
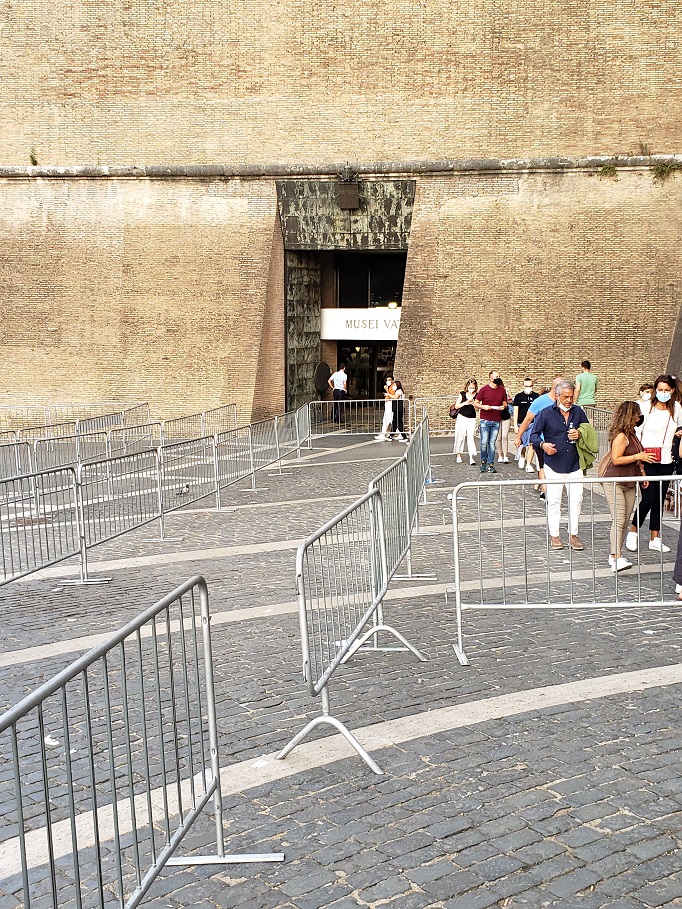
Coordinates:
(497,381)
(565,407)
(640,421)
(646,395)
(664,396)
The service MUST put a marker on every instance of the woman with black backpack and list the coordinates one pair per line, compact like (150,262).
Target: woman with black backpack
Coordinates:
(466,421)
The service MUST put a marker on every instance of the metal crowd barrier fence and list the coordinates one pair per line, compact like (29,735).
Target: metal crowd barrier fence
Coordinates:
(343,572)
(219,419)
(503,558)
(131,439)
(341,578)
(16,458)
(38,522)
(23,415)
(114,495)
(357,416)
(106,767)
(47,431)
(438,410)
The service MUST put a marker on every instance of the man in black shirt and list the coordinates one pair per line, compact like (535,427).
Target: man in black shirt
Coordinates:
(521,403)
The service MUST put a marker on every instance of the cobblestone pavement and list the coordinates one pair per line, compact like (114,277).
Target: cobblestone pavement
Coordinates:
(575,804)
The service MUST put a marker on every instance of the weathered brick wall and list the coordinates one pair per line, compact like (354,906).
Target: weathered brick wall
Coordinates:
(530,274)
(151,82)
(139,290)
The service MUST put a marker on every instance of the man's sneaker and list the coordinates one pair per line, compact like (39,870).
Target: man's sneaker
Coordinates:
(631,541)
(658,545)
(530,468)
(491,468)
(620,564)
(459,459)
(483,467)
(522,463)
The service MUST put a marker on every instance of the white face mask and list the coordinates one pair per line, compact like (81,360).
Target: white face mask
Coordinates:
(565,407)
(646,395)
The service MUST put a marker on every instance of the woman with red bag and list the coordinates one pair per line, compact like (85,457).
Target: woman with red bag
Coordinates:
(660,424)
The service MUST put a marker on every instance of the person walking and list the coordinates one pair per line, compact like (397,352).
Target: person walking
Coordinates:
(521,403)
(586,386)
(387,421)
(546,399)
(490,401)
(465,426)
(555,432)
(660,424)
(338,382)
(398,404)
(625,459)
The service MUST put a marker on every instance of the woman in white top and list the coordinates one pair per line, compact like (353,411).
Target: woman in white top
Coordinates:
(466,422)
(660,423)
(388,411)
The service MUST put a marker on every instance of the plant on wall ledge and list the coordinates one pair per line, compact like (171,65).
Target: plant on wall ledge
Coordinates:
(34,160)
(664,169)
(608,169)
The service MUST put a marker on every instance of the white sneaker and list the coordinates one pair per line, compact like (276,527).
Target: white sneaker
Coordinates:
(658,545)
(472,461)
(505,459)
(522,463)
(620,564)
(530,468)
(631,541)
(500,459)
(459,459)
(678,588)
(379,438)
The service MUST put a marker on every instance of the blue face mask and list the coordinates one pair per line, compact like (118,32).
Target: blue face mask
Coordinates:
(664,396)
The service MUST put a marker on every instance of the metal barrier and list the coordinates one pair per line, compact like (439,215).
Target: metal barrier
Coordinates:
(219,419)
(47,431)
(437,408)
(38,522)
(233,460)
(136,414)
(132,439)
(341,579)
(98,424)
(121,751)
(359,416)
(16,458)
(187,472)
(68,451)
(503,558)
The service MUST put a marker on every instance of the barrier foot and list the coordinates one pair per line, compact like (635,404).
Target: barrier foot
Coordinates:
(76,582)
(396,634)
(415,577)
(227,859)
(163,539)
(255,489)
(345,732)
(461,656)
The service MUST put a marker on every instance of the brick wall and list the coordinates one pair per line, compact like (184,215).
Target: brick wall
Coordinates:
(532,273)
(139,290)
(147,82)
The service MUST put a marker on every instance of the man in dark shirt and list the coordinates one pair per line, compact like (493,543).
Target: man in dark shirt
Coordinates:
(521,403)
(490,401)
(555,431)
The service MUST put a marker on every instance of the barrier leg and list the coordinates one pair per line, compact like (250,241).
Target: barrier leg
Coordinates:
(253,488)
(414,577)
(328,720)
(83,577)
(390,630)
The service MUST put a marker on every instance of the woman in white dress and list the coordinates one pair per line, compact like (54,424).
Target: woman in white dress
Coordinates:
(465,425)
(387,422)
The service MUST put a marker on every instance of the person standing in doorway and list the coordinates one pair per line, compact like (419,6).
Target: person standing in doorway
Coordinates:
(490,401)
(466,422)
(338,382)
(586,386)
(555,433)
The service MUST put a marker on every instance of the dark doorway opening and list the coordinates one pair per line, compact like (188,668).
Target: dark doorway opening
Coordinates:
(369,279)
(367,364)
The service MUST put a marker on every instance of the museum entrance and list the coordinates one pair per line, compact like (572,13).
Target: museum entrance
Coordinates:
(366,366)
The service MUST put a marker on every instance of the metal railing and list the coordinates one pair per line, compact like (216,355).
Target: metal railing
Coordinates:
(438,410)
(357,416)
(342,575)
(131,439)
(504,559)
(95,499)
(106,766)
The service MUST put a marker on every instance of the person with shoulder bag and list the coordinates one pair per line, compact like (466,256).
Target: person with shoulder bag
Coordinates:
(661,423)
(624,459)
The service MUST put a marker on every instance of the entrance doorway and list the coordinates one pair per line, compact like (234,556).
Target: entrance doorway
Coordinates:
(366,366)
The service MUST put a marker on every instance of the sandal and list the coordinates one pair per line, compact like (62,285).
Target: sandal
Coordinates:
(536,486)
